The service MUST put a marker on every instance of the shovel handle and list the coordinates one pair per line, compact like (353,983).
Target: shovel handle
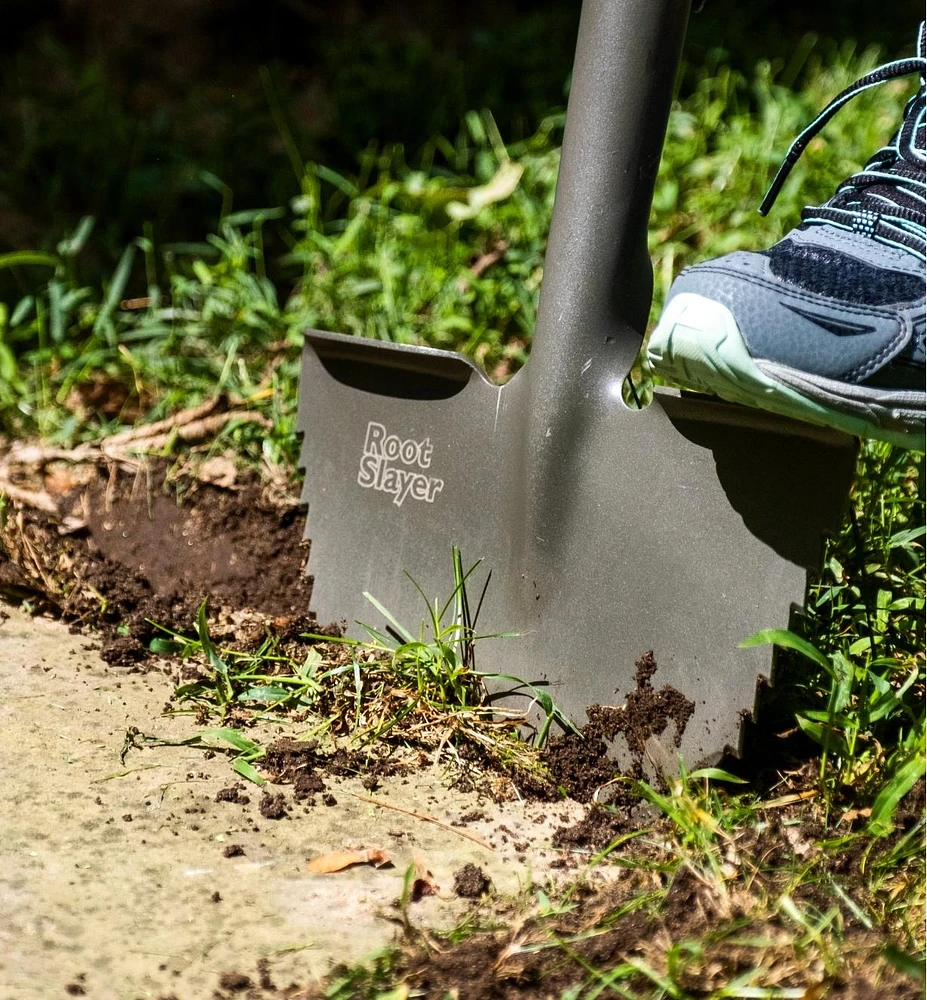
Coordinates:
(598,280)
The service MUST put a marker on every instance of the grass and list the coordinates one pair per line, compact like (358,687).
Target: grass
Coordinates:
(396,252)
(724,896)
(747,904)
(446,248)
(417,693)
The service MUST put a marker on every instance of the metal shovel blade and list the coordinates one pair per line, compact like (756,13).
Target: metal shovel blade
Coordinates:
(682,528)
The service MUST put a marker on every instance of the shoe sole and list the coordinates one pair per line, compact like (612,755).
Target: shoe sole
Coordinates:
(698,345)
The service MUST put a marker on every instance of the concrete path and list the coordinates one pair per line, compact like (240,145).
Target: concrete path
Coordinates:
(114,879)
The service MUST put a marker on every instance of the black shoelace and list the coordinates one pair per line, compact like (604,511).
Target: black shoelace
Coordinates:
(886,200)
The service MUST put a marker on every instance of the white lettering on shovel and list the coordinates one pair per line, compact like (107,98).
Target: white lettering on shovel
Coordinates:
(390,464)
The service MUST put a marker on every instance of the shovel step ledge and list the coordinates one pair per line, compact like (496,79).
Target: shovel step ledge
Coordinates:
(682,528)
(400,370)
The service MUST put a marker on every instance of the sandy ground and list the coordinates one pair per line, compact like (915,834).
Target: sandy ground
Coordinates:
(113,879)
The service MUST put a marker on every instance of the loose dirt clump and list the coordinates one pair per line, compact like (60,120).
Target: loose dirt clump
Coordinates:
(471,882)
(273,806)
(288,761)
(580,764)
(304,765)
(234,794)
(599,827)
(306,785)
(649,712)
(234,981)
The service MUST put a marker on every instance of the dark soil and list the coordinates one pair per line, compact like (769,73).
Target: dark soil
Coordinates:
(580,763)
(599,827)
(581,767)
(234,793)
(648,712)
(234,981)
(304,765)
(487,966)
(471,882)
(141,547)
(273,806)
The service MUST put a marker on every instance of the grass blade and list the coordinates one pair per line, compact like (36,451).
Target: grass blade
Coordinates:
(788,640)
(390,617)
(883,809)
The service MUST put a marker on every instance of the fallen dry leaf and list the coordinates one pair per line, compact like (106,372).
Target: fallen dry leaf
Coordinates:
(423,882)
(852,814)
(336,861)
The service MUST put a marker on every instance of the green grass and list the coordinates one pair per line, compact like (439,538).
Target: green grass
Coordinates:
(394,253)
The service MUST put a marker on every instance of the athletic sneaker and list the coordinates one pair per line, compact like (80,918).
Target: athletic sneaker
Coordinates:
(828,325)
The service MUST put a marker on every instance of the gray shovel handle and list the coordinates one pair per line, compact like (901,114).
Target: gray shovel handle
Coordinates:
(597,279)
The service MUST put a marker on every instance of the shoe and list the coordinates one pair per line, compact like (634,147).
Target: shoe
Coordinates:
(826,326)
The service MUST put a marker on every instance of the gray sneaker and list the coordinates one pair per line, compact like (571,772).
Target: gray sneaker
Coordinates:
(828,325)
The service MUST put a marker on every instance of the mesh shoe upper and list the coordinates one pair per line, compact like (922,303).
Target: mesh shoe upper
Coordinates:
(801,325)
(842,297)
(828,272)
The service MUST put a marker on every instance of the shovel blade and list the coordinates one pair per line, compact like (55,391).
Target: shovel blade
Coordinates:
(394,449)
(681,529)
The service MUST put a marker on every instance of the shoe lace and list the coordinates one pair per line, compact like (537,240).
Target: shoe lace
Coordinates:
(886,200)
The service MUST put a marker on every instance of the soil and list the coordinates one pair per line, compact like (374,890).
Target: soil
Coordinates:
(503,966)
(197,856)
(580,762)
(471,882)
(142,547)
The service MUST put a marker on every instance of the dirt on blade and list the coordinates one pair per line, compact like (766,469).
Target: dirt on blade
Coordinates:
(585,765)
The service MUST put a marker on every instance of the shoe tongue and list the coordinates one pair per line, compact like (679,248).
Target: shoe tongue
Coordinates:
(878,197)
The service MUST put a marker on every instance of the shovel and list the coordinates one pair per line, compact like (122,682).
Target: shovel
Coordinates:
(681,528)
